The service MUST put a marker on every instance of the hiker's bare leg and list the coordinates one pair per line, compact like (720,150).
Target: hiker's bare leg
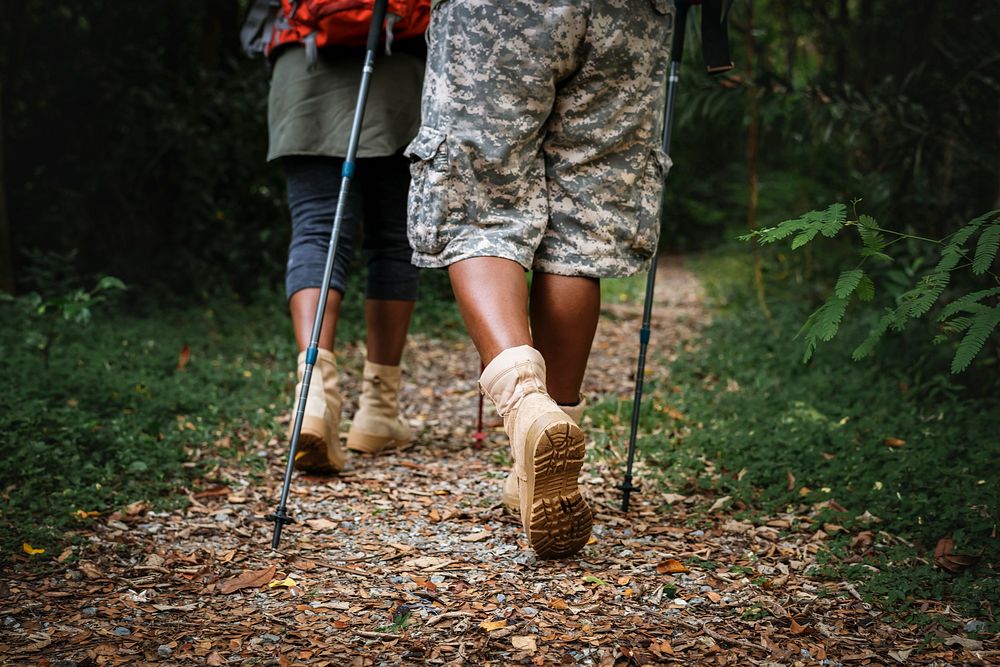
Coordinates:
(302,307)
(564,313)
(388,322)
(492,296)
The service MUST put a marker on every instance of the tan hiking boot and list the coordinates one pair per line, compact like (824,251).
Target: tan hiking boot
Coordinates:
(319,447)
(377,425)
(509,495)
(548,449)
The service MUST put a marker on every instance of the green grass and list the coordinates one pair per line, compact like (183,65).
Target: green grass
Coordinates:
(756,414)
(109,420)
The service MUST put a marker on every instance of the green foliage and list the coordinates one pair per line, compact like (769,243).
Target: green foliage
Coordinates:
(914,303)
(47,315)
(113,420)
(753,413)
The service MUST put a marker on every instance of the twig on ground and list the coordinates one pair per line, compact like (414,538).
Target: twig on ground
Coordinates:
(434,620)
(377,635)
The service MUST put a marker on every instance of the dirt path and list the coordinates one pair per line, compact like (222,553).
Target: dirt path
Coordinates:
(410,559)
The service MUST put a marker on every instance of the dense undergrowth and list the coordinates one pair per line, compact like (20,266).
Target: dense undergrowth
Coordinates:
(897,443)
(142,403)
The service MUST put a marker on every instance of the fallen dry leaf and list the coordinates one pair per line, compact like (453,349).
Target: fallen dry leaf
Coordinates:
(952,562)
(30,550)
(248,579)
(476,537)
(490,626)
(863,541)
(287,582)
(184,357)
(717,505)
(426,562)
(893,442)
(524,643)
(971,644)
(671,566)
(90,570)
(321,524)
(671,412)
(797,629)
(215,659)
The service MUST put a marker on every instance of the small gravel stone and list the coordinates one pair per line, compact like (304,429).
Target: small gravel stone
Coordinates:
(122,632)
(10,622)
(529,612)
(268,637)
(501,597)
(164,651)
(89,611)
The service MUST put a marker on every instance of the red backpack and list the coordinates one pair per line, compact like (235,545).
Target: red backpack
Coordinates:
(317,23)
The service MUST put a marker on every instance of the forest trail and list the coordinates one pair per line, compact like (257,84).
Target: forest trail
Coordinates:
(410,558)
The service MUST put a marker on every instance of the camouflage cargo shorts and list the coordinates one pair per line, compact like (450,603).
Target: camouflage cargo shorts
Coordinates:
(540,134)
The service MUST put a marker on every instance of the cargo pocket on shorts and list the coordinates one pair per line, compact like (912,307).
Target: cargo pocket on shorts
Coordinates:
(647,232)
(427,205)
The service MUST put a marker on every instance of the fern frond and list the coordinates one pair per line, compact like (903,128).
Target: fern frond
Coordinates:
(872,238)
(958,239)
(848,282)
(982,326)
(957,325)
(866,289)
(827,222)
(923,296)
(868,345)
(986,249)
(823,324)
(964,303)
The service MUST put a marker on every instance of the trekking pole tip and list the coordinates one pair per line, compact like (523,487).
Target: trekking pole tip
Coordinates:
(279,519)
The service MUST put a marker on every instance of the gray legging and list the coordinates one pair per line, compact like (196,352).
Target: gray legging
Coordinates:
(376,202)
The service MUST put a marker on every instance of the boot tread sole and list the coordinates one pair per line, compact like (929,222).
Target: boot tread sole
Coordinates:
(559,520)
(313,453)
(374,444)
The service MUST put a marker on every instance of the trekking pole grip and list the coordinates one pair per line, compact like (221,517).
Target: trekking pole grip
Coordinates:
(378,18)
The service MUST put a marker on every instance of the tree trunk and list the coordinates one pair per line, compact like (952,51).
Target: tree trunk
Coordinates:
(996,202)
(752,153)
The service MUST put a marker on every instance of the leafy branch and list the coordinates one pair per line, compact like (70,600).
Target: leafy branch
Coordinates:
(47,314)
(975,315)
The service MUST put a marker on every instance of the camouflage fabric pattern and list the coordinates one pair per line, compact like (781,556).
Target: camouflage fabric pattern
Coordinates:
(540,134)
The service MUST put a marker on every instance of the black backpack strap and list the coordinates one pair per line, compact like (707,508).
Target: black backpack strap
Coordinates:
(255,34)
(715,35)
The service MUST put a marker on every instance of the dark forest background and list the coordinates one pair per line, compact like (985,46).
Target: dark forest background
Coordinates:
(134,133)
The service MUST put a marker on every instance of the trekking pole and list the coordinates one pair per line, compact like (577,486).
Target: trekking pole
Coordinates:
(715,49)
(280,516)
